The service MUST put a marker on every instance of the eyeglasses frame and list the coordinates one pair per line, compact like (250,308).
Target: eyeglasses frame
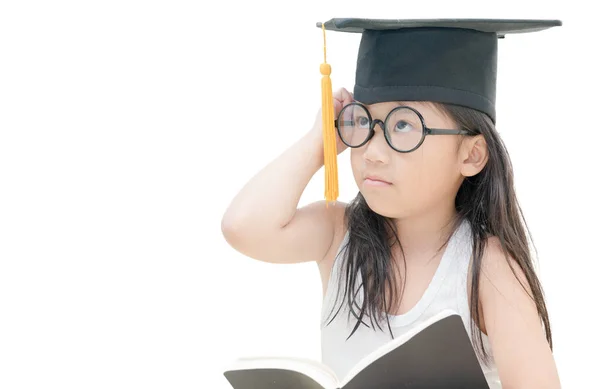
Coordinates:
(383,124)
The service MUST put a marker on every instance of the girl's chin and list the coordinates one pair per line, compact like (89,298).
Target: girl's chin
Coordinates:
(382,206)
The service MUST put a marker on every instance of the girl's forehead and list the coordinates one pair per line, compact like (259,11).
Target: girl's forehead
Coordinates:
(424,107)
(432,113)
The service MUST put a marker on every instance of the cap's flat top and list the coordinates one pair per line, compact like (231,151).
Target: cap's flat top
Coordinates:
(499,26)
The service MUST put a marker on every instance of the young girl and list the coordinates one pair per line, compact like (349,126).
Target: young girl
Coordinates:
(435,224)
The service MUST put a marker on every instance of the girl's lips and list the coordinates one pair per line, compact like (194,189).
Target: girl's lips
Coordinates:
(371,181)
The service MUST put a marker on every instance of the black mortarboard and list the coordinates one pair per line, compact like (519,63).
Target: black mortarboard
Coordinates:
(450,61)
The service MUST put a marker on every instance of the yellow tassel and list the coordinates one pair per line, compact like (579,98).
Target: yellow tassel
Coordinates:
(329,136)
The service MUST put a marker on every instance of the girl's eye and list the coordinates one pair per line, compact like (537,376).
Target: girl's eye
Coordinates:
(362,122)
(403,126)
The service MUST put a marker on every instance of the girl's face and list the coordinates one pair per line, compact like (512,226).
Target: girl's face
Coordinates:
(419,180)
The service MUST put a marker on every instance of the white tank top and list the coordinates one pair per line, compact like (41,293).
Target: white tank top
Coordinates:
(447,290)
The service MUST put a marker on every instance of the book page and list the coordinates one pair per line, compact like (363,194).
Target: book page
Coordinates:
(319,372)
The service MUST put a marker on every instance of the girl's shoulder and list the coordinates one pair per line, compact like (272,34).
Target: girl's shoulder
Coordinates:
(501,276)
(498,265)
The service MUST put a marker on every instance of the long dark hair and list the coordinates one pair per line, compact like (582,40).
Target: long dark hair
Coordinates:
(487,201)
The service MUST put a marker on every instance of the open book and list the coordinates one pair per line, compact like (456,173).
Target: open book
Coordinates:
(435,354)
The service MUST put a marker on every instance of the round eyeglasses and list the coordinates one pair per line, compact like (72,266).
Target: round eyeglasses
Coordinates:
(404,127)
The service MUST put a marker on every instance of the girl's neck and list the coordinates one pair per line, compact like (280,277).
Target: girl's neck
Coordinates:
(422,235)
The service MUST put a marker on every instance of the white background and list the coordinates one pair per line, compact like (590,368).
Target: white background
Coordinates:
(128,126)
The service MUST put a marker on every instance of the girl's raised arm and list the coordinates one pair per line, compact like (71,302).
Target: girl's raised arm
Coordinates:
(263,220)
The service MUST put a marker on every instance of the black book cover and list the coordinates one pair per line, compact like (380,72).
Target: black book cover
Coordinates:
(440,356)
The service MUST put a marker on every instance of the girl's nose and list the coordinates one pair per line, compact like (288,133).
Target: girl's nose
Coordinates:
(377,149)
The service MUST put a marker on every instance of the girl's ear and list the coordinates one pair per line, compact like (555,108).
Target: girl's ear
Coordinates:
(473,155)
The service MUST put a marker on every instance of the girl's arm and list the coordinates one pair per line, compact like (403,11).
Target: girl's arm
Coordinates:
(521,352)
(263,220)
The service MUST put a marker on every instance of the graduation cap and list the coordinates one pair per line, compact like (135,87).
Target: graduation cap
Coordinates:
(450,61)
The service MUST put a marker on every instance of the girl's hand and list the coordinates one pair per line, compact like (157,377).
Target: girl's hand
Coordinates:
(341,98)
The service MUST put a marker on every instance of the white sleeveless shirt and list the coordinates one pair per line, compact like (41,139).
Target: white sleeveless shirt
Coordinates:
(447,290)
